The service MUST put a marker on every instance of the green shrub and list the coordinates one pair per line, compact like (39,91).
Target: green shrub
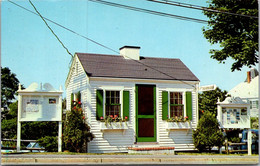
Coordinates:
(76,131)
(254,123)
(50,143)
(208,133)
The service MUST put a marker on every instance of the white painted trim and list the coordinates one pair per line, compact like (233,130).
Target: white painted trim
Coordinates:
(120,97)
(183,101)
(70,71)
(112,88)
(157,115)
(145,81)
(179,90)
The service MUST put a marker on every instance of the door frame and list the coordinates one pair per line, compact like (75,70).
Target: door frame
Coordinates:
(145,139)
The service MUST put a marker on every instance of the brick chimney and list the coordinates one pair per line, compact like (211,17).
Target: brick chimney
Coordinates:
(248,76)
(130,52)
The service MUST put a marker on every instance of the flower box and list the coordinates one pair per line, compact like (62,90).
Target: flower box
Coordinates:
(113,126)
(178,125)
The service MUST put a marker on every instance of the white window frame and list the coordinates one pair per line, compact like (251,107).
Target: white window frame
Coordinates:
(120,89)
(183,101)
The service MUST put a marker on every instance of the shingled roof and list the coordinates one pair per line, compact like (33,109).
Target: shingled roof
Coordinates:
(115,66)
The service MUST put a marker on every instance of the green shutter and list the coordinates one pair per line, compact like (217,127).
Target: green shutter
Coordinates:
(189,105)
(164,105)
(99,104)
(79,96)
(71,100)
(126,105)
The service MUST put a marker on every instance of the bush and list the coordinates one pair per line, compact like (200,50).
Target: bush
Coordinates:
(76,131)
(208,133)
(50,143)
(254,123)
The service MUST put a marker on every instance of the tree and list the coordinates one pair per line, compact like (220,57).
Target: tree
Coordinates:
(76,131)
(9,86)
(237,35)
(9,122)
(208,133)
(208,100)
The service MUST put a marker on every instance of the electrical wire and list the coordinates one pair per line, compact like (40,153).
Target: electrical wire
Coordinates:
(185,5)
(93,41)
(185,82)
(150,11)
(51,29)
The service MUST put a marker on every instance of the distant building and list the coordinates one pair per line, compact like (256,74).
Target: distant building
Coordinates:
(248,91)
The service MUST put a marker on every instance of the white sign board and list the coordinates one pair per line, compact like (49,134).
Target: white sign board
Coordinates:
(207,88)
(39,103)
(40,108)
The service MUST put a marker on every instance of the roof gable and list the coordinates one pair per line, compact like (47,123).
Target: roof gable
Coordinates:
(100,65)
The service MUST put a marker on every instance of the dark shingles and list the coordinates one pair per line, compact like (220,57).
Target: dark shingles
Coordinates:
(99,65)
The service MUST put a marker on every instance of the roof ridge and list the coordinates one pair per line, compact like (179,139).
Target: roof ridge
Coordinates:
(122,56)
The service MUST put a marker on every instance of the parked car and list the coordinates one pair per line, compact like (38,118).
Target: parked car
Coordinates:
(255,140)
(35,147)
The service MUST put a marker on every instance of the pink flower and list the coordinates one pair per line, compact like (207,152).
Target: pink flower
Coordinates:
(79,102)
(111,116)
(116,116)
(83,117)
(101,118)
(126,117)
(186,117)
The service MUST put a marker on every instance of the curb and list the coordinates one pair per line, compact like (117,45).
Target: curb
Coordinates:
(130,160)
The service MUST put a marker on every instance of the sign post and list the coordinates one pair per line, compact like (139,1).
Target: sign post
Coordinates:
(39,103)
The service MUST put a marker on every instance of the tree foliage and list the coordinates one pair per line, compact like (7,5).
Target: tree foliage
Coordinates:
(237,35)
(76,131)
(208,100)
(50,143)
(208,133)
(9,121)
(9,86)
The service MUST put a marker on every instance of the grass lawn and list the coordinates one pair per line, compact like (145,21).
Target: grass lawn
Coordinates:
(73,153)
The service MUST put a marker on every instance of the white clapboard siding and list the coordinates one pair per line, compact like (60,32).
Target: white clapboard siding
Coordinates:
(181,139)
(108,141)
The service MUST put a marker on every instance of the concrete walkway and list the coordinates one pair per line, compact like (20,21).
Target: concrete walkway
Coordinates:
(127,159)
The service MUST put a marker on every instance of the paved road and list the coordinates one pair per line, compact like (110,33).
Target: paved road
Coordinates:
(14,159)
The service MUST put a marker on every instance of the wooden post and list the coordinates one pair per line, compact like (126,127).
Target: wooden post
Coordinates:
(60,126)
(249,142)
(60,137)
(19,111)
(226,146)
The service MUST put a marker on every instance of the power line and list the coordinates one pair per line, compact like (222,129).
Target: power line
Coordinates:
(51,29)
(93,41)
(103,45)
(185,5)
(150,11)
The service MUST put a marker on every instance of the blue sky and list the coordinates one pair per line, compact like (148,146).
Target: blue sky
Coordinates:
(31,51)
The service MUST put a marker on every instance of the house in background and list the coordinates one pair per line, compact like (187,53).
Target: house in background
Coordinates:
(144,92)
(248,91)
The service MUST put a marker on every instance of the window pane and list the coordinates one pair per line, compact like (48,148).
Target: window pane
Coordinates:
(175,98)
(176,111)
(112,103)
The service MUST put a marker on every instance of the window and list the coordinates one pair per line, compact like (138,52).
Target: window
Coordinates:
(113,105)
(254,104)
(52,101)
(176,104)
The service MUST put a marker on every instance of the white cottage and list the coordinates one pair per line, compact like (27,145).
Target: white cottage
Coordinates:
(144,93)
